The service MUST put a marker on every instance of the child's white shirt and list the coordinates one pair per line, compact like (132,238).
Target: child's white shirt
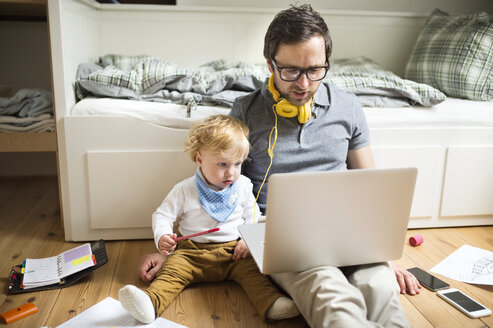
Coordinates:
(183,202)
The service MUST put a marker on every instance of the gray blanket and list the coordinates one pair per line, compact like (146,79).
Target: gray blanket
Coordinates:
(27,103)
(221,82)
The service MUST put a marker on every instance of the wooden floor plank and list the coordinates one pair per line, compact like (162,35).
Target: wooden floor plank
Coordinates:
(445,242)
(481,237)
(8,188)
(43,242)
(437,245)
(30,227)
(128,261)
(34,236)
(191,308)
(416,318)
(230,306)
(92,289)
(19,204)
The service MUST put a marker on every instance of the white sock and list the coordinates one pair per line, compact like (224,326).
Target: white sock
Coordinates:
(137,303)
(282,308)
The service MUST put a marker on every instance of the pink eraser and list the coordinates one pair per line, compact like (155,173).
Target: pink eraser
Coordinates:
(416,240)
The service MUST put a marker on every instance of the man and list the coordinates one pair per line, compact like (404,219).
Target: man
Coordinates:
(298,123)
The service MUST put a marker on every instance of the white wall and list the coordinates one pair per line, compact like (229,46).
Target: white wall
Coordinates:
(24,58)
(420,6)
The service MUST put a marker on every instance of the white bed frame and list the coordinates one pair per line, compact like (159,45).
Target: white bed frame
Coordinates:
(114,171)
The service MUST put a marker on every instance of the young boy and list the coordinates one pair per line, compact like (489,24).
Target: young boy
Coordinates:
(216,196)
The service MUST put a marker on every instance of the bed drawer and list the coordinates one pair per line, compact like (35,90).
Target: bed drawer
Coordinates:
(125,188)
(429,162)
(468,188)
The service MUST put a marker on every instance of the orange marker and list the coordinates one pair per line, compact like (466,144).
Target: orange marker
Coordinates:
(19,313)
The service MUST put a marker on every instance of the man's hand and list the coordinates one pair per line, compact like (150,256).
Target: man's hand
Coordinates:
(167,244)
(149,266)
(406,280)
(241,251)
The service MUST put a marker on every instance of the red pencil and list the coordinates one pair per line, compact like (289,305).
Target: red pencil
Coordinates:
(197,234)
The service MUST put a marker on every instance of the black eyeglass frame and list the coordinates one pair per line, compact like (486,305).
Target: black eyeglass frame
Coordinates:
(300,72)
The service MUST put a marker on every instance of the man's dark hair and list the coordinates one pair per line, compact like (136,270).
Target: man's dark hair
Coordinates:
(293,25)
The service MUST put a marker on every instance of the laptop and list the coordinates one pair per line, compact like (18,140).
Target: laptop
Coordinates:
(335,218)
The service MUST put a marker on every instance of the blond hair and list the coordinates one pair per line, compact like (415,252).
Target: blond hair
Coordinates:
(219,133)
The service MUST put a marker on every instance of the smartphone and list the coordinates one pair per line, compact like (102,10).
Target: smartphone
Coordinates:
(464,303)
(429,281)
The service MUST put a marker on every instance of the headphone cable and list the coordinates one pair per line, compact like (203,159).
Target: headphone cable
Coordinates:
(270,151)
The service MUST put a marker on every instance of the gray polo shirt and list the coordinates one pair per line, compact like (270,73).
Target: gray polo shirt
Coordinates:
(337,125)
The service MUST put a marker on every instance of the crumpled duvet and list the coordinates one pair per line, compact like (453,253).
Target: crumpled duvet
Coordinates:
(220,82)
(153,79)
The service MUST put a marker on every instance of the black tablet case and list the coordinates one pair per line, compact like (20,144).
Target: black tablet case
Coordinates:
(15,279)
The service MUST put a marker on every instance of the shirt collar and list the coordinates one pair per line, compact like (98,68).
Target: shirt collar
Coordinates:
(322,96)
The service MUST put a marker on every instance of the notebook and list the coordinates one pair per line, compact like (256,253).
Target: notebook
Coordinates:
(50,270)
(336,218)
(17,276)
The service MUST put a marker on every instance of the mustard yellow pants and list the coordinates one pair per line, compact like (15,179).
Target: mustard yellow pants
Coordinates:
(197,262)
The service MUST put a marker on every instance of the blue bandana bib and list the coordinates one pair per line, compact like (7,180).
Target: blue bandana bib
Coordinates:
(219,204)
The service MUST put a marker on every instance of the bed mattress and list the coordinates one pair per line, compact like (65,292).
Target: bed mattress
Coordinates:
(452,112)
(164,114)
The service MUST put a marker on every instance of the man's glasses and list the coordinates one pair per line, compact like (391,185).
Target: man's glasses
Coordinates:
(291,74)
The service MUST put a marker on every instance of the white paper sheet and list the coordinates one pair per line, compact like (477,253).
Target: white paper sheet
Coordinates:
(110,313)
(468,264)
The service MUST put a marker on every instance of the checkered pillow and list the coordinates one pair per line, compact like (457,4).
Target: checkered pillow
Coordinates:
(455,55)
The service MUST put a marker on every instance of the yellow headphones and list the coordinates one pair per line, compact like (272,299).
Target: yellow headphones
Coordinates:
(285,109)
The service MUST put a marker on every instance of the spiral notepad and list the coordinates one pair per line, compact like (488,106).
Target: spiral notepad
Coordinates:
(50,270)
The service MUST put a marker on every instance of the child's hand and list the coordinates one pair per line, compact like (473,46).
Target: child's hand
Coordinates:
(167,244)
(241,251)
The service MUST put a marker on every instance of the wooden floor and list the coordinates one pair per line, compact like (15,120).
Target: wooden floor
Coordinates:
(30,227)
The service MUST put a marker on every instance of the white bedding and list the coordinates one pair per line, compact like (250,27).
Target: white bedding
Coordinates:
(450,113)
(165,114)
(453,112)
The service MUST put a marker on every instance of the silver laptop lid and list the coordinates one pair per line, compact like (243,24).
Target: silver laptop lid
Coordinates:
(336,218)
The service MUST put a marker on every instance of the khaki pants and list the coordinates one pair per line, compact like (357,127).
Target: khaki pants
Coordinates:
(197,262)
(359,296)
